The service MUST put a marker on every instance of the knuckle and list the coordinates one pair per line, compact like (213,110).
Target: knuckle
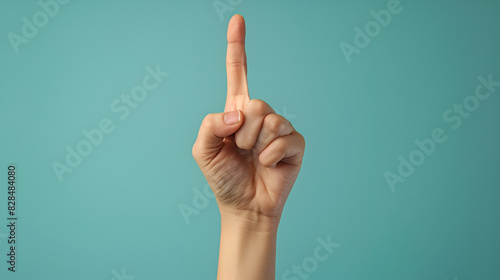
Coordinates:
(207,122)
(257,105)
(194,151)
(206,126)
(206,119)
(281,145)
(274,123)
(302,140)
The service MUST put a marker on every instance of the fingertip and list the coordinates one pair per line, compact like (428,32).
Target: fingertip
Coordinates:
(236,29)
(265,161)
(269,164)
(238,17)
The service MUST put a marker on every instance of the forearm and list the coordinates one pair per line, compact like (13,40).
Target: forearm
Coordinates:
(247,248)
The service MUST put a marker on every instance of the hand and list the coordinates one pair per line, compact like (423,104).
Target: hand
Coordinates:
(249,155)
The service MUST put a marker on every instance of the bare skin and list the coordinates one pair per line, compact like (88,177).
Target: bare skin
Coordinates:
(251,157)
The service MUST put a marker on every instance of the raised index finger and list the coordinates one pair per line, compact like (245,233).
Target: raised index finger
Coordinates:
(236,65)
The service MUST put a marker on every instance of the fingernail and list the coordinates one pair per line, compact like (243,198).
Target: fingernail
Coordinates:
(232,117)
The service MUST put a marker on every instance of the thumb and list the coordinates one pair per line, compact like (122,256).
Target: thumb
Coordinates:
(212,132)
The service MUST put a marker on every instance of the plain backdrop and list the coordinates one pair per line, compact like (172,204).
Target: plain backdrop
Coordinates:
(118,213)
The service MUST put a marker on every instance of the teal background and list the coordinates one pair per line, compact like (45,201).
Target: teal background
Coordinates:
(120,207)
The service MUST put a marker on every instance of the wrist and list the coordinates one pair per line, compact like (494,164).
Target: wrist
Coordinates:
(248,221)
(247,246)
